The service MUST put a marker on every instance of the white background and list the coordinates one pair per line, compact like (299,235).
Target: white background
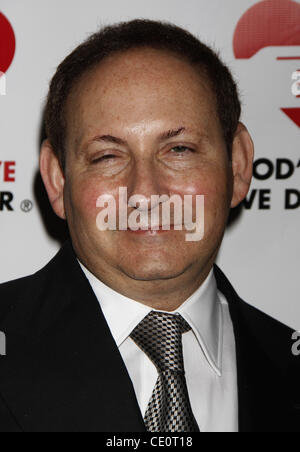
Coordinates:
(261,251)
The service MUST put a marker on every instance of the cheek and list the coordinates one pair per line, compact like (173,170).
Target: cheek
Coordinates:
(212,184)
(84,194)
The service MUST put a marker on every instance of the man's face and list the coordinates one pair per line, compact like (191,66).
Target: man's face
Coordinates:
(119,120)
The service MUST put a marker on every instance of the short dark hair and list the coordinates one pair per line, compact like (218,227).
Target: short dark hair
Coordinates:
(132,35)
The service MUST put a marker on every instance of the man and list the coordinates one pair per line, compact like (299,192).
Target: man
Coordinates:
(135,330)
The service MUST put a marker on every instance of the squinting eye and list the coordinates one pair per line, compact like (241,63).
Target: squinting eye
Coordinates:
(181,149)
(104,157)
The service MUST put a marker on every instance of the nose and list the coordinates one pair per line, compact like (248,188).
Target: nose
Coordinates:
(146,179)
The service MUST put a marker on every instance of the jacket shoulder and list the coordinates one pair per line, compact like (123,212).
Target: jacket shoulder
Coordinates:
(260,329)
(22,299)
(12,293)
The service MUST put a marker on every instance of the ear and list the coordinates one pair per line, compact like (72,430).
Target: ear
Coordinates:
(242,164)
(53,178)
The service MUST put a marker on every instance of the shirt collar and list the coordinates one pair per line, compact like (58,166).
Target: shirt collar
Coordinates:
(202,310)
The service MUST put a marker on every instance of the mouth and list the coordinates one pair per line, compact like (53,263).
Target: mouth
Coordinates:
(148,231)
(154,230)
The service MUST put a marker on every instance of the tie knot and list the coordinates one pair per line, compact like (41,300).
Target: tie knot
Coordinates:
(159,335)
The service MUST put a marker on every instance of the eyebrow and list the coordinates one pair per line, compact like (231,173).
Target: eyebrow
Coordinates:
(171,133)
(163,136)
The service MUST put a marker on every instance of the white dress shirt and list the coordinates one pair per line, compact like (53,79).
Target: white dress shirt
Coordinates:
(208,351)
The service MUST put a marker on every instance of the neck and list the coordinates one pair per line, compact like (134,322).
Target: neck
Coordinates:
(161,294)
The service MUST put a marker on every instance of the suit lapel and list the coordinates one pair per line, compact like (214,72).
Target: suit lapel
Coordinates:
(263,391)
(63,370)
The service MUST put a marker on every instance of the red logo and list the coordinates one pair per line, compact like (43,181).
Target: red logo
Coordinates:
(269,23)
(7,43)
(293,114)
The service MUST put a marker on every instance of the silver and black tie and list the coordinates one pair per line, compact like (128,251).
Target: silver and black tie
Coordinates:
(159,335)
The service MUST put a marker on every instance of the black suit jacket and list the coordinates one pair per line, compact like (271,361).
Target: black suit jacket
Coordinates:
(63,371)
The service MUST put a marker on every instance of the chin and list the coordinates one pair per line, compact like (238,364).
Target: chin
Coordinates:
(153,272)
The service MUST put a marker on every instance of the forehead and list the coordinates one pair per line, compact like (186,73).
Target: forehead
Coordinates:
(143,84)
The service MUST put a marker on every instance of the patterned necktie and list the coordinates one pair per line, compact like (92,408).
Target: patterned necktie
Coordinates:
(159,335)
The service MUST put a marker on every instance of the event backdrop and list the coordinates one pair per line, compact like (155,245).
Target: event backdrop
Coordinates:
(259,40)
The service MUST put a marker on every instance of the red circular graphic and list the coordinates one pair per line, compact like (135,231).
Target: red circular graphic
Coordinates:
(7,43)
(267,23)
